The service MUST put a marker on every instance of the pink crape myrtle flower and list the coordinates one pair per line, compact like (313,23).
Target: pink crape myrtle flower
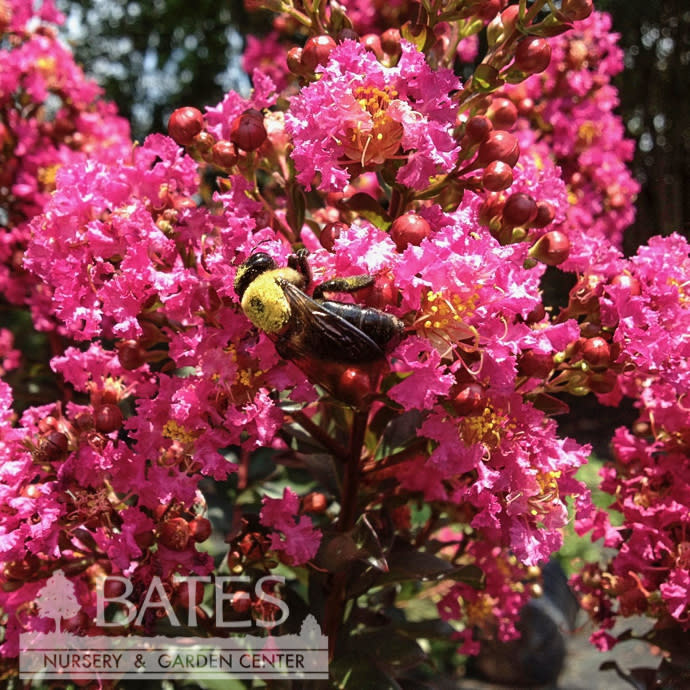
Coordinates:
(360,112)
(297,538)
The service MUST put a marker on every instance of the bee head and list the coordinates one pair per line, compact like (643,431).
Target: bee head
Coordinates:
(254,266)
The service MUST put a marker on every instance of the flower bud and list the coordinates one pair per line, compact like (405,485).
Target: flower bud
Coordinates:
(330,233)
(130,354)
(497,176)
(174,534)
(478,128)
(469,400)
(189,594)
(502,113)
(490,208)
(499,146)
(107,418)
(390,42)
(294,61)
(628,282)
(519,209)
(316,51)
(545,215)
(551,249)
(575,10)
(184,124)
(346,34)
(315,502)
(596,352)
(409,229)
(354,385)
(372,43)
(247,130)
(535,364)
(224,154)
(54,446)
(532,55)
(200,528)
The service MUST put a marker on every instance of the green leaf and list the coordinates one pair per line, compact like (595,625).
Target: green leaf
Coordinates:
(296,206)
(388,647)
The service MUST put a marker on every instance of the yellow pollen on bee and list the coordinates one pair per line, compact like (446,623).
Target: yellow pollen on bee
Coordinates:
(175,431)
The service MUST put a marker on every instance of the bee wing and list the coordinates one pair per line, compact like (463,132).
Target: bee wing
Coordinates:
(324,334)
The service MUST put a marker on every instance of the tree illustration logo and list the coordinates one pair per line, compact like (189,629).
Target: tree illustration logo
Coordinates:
(57,599)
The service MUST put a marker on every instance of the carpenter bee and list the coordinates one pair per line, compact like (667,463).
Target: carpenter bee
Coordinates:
(323,337)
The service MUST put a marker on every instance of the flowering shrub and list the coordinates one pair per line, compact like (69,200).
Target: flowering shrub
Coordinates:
(383,418)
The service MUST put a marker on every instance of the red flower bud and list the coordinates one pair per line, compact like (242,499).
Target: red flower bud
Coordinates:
(200,528)
(247,130)
(545,215)
(625,280)
(354,386)
(551,249)
(54,446)
(574,10)
(532,55)
(535,364)
(107,418)
(330,233)
(130,354)
(372,42)
(409,229)
(509,17)
(174,534)
(519,209)
(499,146)
(491,208)
(390,42)
(184,124)
(478,129)
(469,400)
(346,34)
(497,176)
(294,61)
(503,113)
(315,502)
(189,594)
(224,154)
(316,51)
(596,353)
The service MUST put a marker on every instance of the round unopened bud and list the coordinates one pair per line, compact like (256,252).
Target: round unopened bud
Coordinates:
(487,9)
(224,154)
(469,400)
(535,364)
(294,60)
(532,55)
(174,534)
(200,528)
(597,353)
(107,417)
(247,130)
(545,214)
(478,128)
(330,233)
(130,354)
(316,51)
(509,18)
(346,34)
(354,386)
(490,208)
(315,502)
(372,43)
(409,229)
(499,146)
(519,209)
(189,594)
(628,282)
(503,113)
(390,42)
(184,124)
(551,249)
(497,176)
(54,446)
(575,10)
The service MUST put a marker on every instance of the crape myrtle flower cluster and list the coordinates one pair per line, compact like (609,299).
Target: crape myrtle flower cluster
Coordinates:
(441,461)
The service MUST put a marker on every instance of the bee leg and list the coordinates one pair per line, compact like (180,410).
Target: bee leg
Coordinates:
(298,262)
(351,284)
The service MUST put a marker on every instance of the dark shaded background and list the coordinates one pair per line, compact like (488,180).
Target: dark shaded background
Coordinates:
(156,55)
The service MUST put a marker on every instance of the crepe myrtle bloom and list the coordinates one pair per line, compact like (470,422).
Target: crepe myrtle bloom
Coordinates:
(362,113)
